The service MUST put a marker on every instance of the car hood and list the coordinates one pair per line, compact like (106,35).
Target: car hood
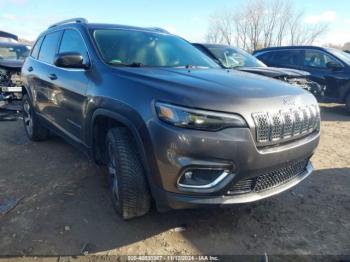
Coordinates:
(275,72)
(11,64)
(216,89)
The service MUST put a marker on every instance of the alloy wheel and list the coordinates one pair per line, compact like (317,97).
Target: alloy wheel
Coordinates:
(28,118)
(112,170)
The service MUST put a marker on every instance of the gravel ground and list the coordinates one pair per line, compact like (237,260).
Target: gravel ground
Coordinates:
(64,206)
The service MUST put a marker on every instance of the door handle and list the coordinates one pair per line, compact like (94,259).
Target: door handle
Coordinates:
(52,76)
(30,69)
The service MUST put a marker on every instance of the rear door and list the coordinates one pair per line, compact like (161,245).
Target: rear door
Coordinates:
(45,84)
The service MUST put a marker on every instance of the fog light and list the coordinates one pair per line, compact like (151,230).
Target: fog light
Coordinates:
(204,178)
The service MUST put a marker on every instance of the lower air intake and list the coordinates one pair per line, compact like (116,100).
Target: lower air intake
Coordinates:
(269,180)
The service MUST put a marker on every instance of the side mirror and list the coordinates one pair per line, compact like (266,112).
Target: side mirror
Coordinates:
(333,65)
(70,60)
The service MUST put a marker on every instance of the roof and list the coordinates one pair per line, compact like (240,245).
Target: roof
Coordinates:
(81,22)
(290,47)
(126,27)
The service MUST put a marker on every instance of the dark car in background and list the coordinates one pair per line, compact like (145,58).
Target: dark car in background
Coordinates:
(236,58)
(12,55)
(327,66)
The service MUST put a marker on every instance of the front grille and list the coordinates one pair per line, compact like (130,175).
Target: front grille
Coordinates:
(282,125)
(269,180)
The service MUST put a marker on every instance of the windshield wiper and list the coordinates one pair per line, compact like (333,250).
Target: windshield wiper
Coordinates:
(133,64)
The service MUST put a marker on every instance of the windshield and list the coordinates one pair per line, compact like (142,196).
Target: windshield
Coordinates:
(138,48)
(14,52)
(232,57)
(345,57)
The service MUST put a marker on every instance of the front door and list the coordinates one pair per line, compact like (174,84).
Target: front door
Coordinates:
(73,84)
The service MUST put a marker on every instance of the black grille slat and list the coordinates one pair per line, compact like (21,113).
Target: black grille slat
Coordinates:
(269,180)
(241,187)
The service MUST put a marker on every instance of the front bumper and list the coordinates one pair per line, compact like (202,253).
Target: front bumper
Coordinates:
(180,201)
(10,92)
(177,149)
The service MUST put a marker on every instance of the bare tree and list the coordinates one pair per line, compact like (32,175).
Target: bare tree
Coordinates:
(294,24)
(241,33)
(262,23)
(221,28)
(283,16)
(254,17)
(270,22)
(214,34)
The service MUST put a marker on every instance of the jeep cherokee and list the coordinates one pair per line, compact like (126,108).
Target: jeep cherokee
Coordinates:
(167,122)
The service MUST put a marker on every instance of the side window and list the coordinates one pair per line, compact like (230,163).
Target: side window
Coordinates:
(287,57)
(49,46)
(73,42)
(36,48)
(317,59)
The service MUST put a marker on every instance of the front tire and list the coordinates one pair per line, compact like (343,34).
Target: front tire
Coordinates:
(32,126)
(130,194)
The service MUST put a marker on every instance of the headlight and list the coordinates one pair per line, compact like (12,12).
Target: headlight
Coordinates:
(197,119)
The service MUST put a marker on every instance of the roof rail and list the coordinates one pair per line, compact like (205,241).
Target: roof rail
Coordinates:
(68,21)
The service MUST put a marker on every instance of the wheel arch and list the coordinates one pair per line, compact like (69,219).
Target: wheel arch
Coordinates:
(142,140)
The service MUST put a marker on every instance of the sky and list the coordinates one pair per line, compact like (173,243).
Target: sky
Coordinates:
(187,18)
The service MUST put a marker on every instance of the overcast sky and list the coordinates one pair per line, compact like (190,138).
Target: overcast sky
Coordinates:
(187,18)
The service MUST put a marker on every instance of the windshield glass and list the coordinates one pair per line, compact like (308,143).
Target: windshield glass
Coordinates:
(138,48)
(232,57)
(14,52)
(345,57)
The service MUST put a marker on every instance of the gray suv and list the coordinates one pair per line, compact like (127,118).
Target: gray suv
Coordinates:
(167,122)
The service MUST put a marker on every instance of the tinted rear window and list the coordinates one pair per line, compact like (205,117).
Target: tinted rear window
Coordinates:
(49,47)
(281,57)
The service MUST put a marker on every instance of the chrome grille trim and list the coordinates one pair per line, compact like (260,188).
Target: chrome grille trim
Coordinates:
(263,132)
(288,124)
(276,127)
(306,118)
(298,122)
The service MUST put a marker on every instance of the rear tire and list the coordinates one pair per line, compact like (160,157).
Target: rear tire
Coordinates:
(130,194)
(32,126)
(347,102)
